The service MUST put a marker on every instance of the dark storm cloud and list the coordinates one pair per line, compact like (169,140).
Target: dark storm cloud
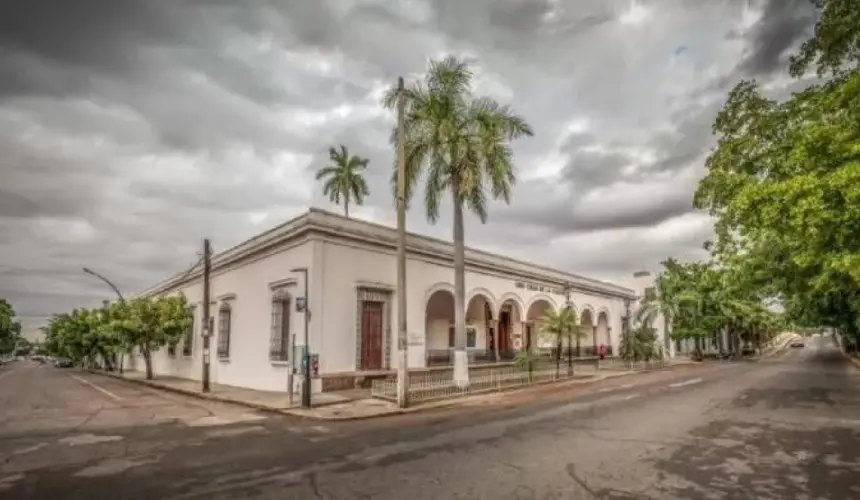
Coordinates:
(783,24)
(130,130)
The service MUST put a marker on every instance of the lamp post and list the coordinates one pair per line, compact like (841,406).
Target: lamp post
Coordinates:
(118,294)
(567,304)
(304,307)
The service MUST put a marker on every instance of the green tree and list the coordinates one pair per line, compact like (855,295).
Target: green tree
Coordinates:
(461,144)
(641,344)
(556,325)
(10,328)
(835,48)
(150,324)
(344,178)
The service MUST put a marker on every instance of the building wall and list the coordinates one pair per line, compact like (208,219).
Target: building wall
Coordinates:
(348,266)
(342,273)
(248,288)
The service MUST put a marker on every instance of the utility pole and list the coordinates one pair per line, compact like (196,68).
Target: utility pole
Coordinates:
(305,307)
(402,340)
(569,347)
(207,325)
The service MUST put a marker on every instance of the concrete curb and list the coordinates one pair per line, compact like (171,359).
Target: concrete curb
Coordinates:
(444,403)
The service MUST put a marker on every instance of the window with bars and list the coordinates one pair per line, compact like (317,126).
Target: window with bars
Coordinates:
(188,341)
(280,339)
(650,294)
(225,316)
(471,336)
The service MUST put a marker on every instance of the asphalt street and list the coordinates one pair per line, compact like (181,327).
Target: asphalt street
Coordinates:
(786,427)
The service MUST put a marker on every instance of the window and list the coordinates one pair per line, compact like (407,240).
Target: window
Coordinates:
(224,320)
(471,336)
(280,338)
(188,341)
(171,349)
(650,294)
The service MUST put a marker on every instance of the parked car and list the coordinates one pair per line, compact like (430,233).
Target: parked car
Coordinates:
(798,343)
(63,363)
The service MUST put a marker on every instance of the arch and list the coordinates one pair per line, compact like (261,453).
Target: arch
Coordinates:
(488,296)
(512,297)
(588,330)
(604,331)
(438,320)
(587,310)
(541,297)
(442,285)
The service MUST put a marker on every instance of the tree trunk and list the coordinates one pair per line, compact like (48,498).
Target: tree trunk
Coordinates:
(569,355)
(578,347)
(667,335)
(461,360)
(346,206)
(594,339)
(147,360)
(558,358)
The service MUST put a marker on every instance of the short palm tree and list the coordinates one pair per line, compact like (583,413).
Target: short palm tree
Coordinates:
(461,144)
(558,325)
(343,178)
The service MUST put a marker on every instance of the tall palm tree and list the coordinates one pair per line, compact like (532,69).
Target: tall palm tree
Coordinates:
(343,178)
(461,144)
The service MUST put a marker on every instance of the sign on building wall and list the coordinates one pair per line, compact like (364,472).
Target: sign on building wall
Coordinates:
(539,288)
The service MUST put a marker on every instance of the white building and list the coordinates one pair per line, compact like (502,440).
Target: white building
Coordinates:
(351,277)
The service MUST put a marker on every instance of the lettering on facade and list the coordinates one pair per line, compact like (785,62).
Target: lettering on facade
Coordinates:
(539,288)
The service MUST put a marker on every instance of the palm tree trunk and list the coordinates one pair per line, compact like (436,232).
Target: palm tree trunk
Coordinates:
(594,339)
(346,206)
(569,355)
(578,347)
(558,357)
(461,360)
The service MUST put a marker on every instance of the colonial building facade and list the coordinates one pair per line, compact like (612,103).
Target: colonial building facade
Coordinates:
(348,267)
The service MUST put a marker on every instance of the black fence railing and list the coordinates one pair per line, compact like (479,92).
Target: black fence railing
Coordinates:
(443,357)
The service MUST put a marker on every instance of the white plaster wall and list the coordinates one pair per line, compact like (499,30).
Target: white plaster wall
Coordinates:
(248,364)
(336,269)
(346,265)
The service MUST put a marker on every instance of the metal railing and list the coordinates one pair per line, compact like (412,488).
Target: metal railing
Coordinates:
(435,384)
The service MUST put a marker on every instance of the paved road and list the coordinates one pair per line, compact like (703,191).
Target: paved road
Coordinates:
(783,428)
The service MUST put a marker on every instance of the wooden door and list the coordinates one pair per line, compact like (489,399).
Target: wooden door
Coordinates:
(371,335)
(504,331)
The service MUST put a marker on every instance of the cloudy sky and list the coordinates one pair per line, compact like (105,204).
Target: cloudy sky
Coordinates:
(131,129)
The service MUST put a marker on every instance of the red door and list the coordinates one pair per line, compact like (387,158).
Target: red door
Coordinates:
(371,335)
(504,331)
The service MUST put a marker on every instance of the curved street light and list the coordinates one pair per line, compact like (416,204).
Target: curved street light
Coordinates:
(118,294)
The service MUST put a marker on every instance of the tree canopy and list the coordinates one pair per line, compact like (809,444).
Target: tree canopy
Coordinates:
(88,335)
(10,327)
(783,182)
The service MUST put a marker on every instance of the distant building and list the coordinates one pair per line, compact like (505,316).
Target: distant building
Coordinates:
(258,334)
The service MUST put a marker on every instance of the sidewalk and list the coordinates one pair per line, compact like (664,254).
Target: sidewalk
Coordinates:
(355,404)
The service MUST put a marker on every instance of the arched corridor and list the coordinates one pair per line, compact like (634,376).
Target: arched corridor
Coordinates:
(439,327)
(479,328)
(510,327)
(588,332)
(533,339)
(604,333)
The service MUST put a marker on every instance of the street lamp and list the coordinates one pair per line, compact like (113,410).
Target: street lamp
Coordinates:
(118,294)
(303,305)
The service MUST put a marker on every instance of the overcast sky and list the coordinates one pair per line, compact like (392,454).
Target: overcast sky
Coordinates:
(129,130)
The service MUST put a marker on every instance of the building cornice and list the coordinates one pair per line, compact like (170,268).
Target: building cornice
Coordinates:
(321,222)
